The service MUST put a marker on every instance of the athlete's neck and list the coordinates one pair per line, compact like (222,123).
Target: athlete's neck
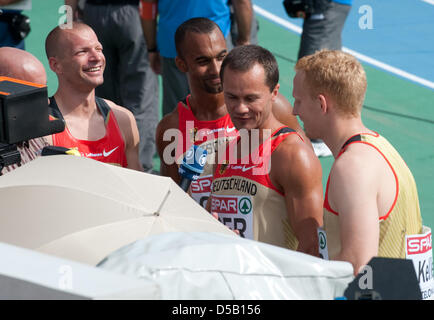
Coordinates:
(259,135)
(341,131)
(206,106)
(76,103)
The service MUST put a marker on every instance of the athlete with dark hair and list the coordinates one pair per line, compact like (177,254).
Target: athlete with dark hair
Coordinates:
(267,184)
(202,117)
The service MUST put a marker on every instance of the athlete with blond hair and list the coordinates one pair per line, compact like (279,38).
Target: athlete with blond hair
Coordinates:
(371,202)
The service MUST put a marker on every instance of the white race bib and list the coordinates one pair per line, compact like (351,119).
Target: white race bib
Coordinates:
(201,189)
(418,248)
(236,212)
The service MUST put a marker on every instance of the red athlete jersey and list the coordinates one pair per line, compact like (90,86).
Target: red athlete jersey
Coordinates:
(108,149)
(245,198)
(209,135)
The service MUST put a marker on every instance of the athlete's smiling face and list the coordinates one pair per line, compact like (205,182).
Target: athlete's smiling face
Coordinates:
(248,98)
(202,57)
(82,61)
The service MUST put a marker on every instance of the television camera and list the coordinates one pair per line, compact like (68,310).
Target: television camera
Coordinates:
(23,116)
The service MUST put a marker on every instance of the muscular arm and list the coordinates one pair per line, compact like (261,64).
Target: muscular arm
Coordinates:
(353,193)
(166,145)
(128,126)
(297,171)
(243,12)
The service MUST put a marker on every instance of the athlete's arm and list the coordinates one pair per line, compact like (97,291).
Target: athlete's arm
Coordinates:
(128,127)
(297,171)
(243,12)
(165,139)
(353,194)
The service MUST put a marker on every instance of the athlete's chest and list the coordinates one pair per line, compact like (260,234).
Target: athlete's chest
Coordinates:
(90,129)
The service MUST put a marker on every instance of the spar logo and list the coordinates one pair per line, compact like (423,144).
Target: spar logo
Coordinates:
(417,245)
(231,205)
(245,205)
(224,204)
(202,185)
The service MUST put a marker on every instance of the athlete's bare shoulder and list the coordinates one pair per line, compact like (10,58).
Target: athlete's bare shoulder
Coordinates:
(357,156)
(163,138)
(122,114)
(169,121)
(293,149)
(130,133)
(282,111)
(361,169)
(297,173)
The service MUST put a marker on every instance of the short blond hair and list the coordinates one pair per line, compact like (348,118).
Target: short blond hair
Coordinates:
(338,75)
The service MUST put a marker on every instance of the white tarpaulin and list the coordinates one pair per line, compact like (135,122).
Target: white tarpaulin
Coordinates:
(27,274)
(198,265)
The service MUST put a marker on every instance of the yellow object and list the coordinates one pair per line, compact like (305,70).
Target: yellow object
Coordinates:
(73,152)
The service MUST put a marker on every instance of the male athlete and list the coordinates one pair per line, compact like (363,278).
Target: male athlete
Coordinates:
(99,128)
(270,191)
(202,118)
(371,202)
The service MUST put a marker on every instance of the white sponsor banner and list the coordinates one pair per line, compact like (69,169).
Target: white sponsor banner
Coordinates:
(418,248)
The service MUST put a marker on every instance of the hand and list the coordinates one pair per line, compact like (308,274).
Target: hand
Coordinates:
(215,215)
(241,42)
(154,60)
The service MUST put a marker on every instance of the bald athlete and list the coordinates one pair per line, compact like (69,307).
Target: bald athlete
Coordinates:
(202,118)
(22,65)
(99,128)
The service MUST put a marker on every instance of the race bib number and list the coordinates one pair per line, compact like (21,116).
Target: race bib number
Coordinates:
(201,189)
(236,212)
(418,248)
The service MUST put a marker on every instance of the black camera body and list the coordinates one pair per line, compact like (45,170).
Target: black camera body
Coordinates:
(304,8)
(23,116)
(24,111)
(19,24)
(294,7)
